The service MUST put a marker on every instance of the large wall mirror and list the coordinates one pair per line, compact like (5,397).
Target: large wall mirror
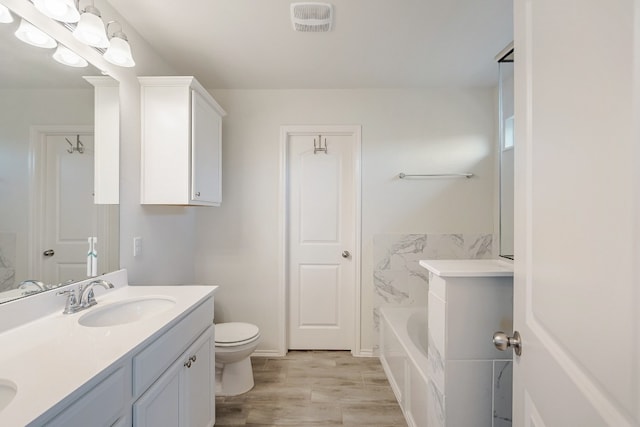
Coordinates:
(51,231)
(507,143)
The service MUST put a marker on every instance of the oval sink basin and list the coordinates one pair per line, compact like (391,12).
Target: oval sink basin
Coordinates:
(8,390)
(127,311)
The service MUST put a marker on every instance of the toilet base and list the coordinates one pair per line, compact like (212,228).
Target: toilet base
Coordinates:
(234,378)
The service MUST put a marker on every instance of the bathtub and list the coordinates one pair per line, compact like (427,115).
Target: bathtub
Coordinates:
(403,354)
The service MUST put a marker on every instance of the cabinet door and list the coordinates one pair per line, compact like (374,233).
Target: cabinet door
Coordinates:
(103,405)
(160,405)
(199,393)
(183,395)
(206,170)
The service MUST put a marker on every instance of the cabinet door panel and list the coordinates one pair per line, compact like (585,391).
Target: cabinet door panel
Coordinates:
(205,152)
(198,383)
(160,405)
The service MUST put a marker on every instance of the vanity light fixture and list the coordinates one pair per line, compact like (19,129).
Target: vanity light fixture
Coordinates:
(60,10)
(5,16)
(119,51)
(28,33)
(90,29)
(68,57)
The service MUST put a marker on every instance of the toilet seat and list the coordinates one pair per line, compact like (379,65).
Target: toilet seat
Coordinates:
(235,334)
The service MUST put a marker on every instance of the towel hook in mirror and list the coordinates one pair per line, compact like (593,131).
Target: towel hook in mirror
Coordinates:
(318,146)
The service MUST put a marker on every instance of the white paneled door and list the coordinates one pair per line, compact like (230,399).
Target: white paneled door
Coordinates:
(69,216)
(322,235)
(577,253)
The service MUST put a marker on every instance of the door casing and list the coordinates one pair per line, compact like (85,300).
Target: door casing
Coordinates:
(283,280)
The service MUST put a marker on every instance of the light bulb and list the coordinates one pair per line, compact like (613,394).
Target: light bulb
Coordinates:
(5,15)
(34,36)
(119,51)
(60,10)
(90,29)
(68,57)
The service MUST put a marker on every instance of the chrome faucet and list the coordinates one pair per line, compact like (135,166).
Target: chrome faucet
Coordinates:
(25,284)
(86,297)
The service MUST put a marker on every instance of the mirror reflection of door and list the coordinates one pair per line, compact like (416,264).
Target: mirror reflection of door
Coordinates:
(70,216)
(506,114)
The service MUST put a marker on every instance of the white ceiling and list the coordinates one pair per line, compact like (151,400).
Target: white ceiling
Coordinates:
(250,44)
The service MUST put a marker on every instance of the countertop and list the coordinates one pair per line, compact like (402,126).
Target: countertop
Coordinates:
(52,358)
(469,267)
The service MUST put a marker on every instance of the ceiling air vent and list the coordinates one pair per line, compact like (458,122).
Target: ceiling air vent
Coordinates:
(312,17)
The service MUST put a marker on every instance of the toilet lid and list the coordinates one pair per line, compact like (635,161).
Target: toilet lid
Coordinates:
(233,332)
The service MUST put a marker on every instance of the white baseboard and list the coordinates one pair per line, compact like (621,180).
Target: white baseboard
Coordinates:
(276,353)
(267,353)
(366,353)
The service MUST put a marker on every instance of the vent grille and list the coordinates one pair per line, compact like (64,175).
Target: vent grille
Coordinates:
(312,17)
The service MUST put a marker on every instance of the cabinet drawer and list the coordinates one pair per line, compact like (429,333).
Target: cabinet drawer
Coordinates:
(101,406)
(159,355)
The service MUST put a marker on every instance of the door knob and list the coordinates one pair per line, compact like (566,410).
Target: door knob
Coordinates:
(49,252)
(346,254)
(502,342)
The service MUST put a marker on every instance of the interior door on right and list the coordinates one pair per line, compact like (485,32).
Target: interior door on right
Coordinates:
(577,230)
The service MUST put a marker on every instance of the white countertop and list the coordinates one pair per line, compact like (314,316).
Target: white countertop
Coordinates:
(469,267)
(53,356)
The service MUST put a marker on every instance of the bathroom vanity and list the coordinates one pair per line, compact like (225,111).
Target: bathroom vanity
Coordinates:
(142,356)
(469,380)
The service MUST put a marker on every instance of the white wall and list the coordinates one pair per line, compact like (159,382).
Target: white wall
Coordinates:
(167,232)
(411,131)
(19,110)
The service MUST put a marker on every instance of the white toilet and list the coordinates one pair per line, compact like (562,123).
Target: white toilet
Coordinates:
(235,342)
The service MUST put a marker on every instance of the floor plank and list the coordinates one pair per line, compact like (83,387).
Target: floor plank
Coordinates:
(313,388)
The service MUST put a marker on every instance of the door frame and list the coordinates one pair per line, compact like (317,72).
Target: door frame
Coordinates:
(283,224)
(37,163)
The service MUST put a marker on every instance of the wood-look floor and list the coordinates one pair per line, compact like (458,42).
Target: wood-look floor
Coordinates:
(311,388)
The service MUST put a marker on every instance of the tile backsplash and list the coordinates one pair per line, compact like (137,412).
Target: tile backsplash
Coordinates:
(399,280)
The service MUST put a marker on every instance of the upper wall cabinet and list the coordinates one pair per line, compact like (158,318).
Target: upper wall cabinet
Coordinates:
(181,143)
(106,140)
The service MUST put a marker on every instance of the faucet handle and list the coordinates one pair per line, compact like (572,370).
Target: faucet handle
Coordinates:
(72,301)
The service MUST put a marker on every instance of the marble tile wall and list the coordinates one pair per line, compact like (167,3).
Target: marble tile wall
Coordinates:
(502,387)
(398,278)
(7,260)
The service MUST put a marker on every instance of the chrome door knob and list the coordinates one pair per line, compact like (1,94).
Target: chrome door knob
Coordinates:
(49,252)
(346,254)
(503,342)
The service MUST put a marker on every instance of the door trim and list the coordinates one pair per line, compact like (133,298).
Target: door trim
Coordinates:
(283,222)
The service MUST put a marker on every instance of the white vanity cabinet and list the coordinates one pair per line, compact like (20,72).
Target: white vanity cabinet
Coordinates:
(168,382)
(178,391)
(181,143)
(104,405)
(183,395)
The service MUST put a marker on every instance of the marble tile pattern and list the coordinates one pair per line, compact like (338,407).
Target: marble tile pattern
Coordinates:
(398,278)
(7,261)
(502,387)
(311,388)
